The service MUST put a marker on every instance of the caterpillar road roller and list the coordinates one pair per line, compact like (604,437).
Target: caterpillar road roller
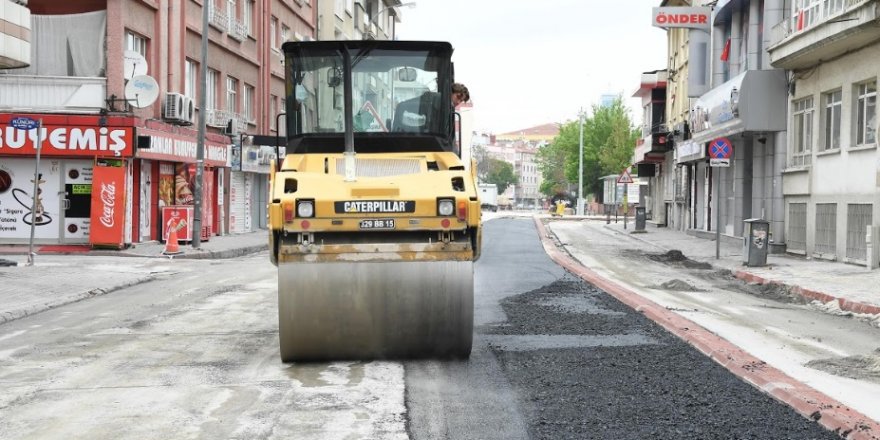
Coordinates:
(374,219)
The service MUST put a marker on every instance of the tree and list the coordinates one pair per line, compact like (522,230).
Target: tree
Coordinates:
(500,173)
(482,157)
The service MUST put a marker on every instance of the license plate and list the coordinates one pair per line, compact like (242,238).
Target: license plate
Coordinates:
(378,223)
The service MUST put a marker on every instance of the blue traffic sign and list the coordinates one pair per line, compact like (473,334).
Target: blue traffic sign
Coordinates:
(720,148)
(23,123)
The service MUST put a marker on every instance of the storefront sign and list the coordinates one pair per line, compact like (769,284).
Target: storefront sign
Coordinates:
(175,148)
(256,158)
(682,17)
(83,141)
(689,151)
(108,206)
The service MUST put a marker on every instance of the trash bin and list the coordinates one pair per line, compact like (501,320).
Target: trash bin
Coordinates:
(641,216)
(755,242)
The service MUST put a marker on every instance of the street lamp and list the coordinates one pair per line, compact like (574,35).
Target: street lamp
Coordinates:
(580,199)
(375,17)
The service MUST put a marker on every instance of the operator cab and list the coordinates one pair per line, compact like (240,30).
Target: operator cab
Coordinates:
(369,96)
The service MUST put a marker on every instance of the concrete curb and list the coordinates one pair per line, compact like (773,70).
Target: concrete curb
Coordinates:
(828,412)
(11,315)
(749,277)
(192,255)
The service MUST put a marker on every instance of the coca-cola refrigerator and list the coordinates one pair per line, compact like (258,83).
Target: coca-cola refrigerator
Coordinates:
(107,222)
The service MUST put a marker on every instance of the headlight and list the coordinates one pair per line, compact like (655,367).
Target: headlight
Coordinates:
(445,207)
(305,209)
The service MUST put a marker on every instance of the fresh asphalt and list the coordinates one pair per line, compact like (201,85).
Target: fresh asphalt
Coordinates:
(556,358)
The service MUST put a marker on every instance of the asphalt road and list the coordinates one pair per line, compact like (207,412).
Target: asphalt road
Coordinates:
(194,354)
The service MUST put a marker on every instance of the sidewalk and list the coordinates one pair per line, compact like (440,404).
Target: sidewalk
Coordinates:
(65,274)
(840,287)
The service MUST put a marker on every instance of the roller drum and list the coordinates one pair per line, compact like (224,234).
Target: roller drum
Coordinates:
(375,310)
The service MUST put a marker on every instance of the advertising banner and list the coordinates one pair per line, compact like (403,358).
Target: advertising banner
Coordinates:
(17,211)
(181,219)
(108,206)
(178,148)
(78,200)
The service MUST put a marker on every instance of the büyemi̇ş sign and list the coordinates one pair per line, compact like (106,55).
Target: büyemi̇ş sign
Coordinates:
(67,141)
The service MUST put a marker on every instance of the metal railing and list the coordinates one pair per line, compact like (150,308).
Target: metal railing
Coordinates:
(800,160)
(217,18)
(826,228)
(237,29)
(797,227)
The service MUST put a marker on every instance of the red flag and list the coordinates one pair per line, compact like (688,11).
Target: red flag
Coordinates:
(800,20)
(725,54)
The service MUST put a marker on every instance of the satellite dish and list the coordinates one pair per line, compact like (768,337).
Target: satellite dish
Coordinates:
(141,91)
(135,64)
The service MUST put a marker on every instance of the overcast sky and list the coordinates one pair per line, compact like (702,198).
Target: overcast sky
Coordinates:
(530,62)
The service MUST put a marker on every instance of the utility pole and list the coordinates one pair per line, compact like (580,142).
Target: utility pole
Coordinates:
(200,148)
(580,198)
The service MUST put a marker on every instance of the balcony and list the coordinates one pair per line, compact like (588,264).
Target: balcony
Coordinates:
(822,30)
(217,18)
(52,94)
(237,30)
(220,118)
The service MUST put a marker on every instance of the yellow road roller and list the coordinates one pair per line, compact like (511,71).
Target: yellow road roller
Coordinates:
(374,219)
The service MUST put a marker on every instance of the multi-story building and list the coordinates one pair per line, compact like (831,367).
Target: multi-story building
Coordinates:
(831,176)
(741,115)
(524,145)
(358,19)
(15,39)
(653,151)
(116,86)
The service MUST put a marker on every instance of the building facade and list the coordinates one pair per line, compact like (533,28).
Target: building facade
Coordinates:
(116,85)
(653,150)
(831,176)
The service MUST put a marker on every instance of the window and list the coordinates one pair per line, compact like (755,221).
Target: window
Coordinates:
(340,7)
(192,74)
(249,102)
(273,100)
(826,228)
(273,29)
(211,89)
(248,16)
(231,94)
(136,43)
(802,132)
(285,33)
(831,120)
(231,10)
(349,6)
(866,109)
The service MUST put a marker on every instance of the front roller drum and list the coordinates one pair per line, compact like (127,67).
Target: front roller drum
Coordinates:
(375,310)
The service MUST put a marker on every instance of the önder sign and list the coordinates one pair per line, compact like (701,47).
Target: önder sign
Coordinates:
(682,17)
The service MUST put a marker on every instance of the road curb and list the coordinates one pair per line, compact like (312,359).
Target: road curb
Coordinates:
(12,315)
(828,412)
(195,255)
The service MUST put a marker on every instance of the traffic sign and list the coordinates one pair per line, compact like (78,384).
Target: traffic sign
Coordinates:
(23,123)
(720,148)
(625,177)
(719,163)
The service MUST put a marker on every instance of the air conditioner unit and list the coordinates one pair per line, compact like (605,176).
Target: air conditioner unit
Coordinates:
(174,106)
(188,114)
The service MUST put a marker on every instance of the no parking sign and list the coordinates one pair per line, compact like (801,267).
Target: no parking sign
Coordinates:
(720,151)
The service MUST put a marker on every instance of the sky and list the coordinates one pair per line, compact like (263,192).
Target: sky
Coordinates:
(532,62)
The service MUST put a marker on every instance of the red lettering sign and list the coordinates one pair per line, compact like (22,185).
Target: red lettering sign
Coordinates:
(68,141)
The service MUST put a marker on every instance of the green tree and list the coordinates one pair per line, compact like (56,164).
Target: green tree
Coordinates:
(609,141)
(500,173)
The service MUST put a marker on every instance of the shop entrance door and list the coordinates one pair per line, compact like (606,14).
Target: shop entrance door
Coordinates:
(76,200)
